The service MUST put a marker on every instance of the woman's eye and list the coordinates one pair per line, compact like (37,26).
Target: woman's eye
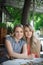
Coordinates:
(21,31)
(16,32)
(26,30)
(30,30)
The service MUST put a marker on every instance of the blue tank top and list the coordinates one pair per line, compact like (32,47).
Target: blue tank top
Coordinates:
(17,46)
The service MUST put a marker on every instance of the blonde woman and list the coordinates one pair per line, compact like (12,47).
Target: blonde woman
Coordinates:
(33,44)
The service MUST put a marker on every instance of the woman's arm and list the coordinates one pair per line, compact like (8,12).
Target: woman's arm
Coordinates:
(13,54)
(25,49)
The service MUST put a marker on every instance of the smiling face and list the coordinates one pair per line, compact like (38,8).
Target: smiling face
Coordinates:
(28,32)
(19,33)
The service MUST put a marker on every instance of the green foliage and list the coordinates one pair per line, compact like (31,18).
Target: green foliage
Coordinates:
(2,25)
(16,22)
(37,26)
(15,13)
(38,20)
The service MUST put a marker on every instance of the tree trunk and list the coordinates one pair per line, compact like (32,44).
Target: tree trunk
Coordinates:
(25,12)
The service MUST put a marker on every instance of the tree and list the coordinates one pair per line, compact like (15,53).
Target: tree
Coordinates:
(25,12)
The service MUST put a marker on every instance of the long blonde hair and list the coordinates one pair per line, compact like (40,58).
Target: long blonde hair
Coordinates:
(34,41)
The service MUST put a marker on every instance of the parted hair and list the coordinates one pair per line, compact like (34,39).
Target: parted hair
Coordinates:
(35,43)
(18,25)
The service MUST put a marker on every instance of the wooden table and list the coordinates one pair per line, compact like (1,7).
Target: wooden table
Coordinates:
(35,61)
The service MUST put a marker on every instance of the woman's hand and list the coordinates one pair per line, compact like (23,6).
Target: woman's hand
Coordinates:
(31,56)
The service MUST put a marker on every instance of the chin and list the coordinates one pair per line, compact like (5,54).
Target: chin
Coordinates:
(19,38)
(29,37)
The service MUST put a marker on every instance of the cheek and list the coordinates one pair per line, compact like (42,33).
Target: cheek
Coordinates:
(16,34)
(30,34)
(22,34)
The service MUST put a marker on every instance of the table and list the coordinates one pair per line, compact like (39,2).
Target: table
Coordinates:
(35,61)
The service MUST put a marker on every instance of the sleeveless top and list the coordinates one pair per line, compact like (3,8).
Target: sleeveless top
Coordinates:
(28,49)
(17,47)
(29,52)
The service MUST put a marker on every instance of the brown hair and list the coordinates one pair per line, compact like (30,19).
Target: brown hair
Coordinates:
(18,25)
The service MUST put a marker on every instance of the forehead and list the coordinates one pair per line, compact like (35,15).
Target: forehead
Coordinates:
(27,28)
(19,28)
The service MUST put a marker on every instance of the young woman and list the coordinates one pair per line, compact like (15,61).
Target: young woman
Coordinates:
(15,44)
(33,44)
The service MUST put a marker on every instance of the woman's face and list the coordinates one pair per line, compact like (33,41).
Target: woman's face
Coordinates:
(19,32)
(28,32)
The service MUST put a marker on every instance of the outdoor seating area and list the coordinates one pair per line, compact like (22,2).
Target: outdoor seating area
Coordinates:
(21,13)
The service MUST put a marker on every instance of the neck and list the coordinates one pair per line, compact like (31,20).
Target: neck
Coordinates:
(16,39)
(28,40)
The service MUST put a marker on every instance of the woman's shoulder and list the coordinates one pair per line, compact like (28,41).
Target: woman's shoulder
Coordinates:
(8,37)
